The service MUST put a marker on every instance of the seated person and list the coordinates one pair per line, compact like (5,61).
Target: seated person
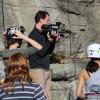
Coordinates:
(18,84)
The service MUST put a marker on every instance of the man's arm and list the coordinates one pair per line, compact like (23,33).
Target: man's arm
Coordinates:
(45,50)
(49,46)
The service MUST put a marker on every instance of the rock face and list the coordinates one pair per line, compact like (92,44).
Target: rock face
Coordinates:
(82,25)
(77,15)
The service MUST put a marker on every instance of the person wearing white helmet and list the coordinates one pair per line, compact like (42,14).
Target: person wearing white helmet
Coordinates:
(90,76)
(94,50)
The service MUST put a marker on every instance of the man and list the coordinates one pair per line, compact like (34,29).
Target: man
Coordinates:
(40,61)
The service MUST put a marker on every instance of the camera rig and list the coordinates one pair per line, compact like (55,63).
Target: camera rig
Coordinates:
(56,28)
(10,31)
(8,40)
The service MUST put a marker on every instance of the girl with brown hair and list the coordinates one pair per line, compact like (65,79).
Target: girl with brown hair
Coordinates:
(18,85)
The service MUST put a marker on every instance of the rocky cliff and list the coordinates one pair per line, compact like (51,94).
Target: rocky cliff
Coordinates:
(81,19)
(82,25)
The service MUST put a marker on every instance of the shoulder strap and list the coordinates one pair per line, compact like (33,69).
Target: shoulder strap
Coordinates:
(88,73)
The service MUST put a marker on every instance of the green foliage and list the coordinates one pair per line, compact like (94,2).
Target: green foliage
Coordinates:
(58,57)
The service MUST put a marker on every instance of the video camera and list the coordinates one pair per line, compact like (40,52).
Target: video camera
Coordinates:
(56,28)
(8,37)
(10,31)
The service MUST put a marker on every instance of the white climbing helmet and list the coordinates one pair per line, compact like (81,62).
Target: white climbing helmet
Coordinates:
(94,50)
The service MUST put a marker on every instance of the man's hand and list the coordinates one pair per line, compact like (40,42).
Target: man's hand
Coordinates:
(58,37)
(49,37)
(54,36)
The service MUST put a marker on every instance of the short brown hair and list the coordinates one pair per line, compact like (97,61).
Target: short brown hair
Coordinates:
(40,15)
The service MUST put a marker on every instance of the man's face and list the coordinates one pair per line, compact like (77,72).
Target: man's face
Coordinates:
(45,21)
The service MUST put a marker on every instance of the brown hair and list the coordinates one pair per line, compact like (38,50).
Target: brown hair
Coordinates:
(13,41)
(92,66)
(18,69)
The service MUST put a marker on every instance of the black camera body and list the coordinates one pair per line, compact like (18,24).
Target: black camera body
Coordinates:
(56,28)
